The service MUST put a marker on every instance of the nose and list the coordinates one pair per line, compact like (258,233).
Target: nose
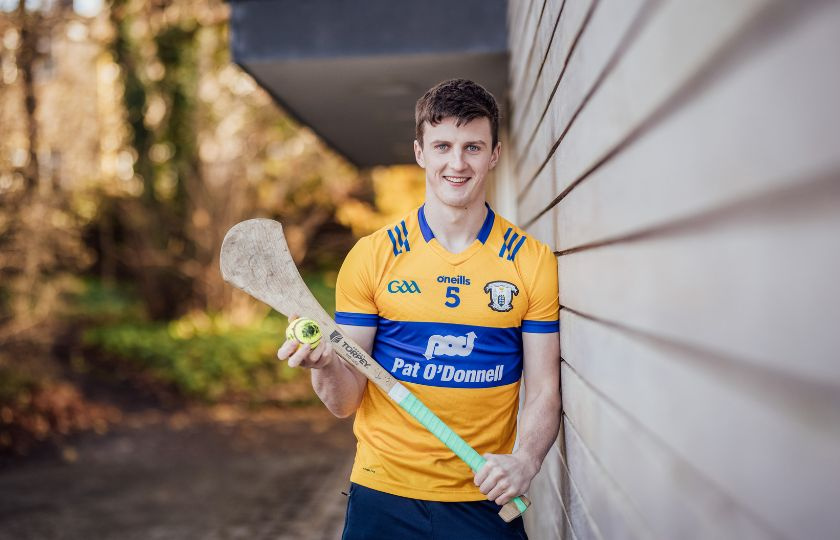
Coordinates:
(457,160)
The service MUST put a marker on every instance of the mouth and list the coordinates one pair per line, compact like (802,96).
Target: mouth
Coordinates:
(457,179)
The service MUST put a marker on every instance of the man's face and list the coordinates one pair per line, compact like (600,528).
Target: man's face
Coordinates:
(457,159)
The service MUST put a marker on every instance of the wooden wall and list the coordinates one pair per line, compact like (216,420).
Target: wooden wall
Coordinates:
(682,158)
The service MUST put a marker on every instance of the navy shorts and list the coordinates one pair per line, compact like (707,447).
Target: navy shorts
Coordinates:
(374,515)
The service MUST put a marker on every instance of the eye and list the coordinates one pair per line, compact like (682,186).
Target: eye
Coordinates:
(441,146)
(473,148)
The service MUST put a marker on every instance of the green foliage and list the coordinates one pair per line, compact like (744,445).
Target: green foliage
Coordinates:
(207,357)
(96,300)
(322,286)
(203,357)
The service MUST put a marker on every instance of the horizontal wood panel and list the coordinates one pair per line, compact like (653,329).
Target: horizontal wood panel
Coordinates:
(532,105)
(610,24)
(570,27)
(678,40)
(587,63)
(523,39)
(748,133)
(523,82)
(540,195)
(672,497)
(547,517)
(544,228)
(574,508)
(758,284)
(609,507)
(525,55)
(732,186)
(520,10)
(747,433)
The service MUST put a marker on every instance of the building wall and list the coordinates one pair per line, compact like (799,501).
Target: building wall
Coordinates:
(682,158)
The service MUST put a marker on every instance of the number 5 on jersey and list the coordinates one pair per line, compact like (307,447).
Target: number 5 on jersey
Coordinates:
(453,300)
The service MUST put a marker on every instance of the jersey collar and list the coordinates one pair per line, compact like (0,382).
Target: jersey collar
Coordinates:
(483,233)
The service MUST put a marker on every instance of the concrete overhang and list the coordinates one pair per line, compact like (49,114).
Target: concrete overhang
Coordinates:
(353,70)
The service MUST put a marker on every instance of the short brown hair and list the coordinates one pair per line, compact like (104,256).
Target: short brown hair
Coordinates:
(461,98)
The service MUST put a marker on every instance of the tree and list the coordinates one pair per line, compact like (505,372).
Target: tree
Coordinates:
(37,247)
(211,149)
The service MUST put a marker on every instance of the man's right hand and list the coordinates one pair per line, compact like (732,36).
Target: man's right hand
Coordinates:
(301,355)
(339,386)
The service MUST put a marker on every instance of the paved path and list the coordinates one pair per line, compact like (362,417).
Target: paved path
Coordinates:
(219,475)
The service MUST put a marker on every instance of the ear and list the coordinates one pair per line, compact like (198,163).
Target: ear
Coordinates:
(418,154)
(494,157)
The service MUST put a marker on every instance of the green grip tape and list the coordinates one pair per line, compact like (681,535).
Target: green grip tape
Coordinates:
(439,429)
(435,425)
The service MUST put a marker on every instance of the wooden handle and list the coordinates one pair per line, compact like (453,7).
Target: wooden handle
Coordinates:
(357,357)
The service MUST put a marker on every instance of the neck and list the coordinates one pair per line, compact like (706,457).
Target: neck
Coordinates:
(454,228)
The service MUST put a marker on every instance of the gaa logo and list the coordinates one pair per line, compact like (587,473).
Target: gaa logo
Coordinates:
(403,286)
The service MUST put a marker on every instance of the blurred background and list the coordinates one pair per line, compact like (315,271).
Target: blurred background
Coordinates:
(129,144)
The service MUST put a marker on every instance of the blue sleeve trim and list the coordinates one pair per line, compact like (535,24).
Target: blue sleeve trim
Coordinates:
(357,319)
(540,327)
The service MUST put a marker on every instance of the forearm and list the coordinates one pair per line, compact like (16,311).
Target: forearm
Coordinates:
(338,387)
(505,476)
(539,422)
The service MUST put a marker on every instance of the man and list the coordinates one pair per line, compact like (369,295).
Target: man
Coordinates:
(459,305)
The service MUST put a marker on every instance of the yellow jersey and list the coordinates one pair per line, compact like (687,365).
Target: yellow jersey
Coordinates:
(449,327)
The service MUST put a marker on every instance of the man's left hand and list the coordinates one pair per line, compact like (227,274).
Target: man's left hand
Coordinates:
(505,476)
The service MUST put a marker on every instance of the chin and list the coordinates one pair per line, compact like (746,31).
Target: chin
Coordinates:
(447,196)
(459,202)
(459,197)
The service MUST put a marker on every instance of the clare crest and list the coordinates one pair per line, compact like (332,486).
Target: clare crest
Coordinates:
(501,295)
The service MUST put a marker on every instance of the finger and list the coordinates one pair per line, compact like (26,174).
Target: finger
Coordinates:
(327,357)
(491,492)
(483,472)
(490,467)
(480,476)
(498,491)
(316,353)
(490,483)
(299,357)
(286,349)
(505,498)
(322,355)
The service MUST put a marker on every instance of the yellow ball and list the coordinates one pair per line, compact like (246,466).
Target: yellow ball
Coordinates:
(305,331)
